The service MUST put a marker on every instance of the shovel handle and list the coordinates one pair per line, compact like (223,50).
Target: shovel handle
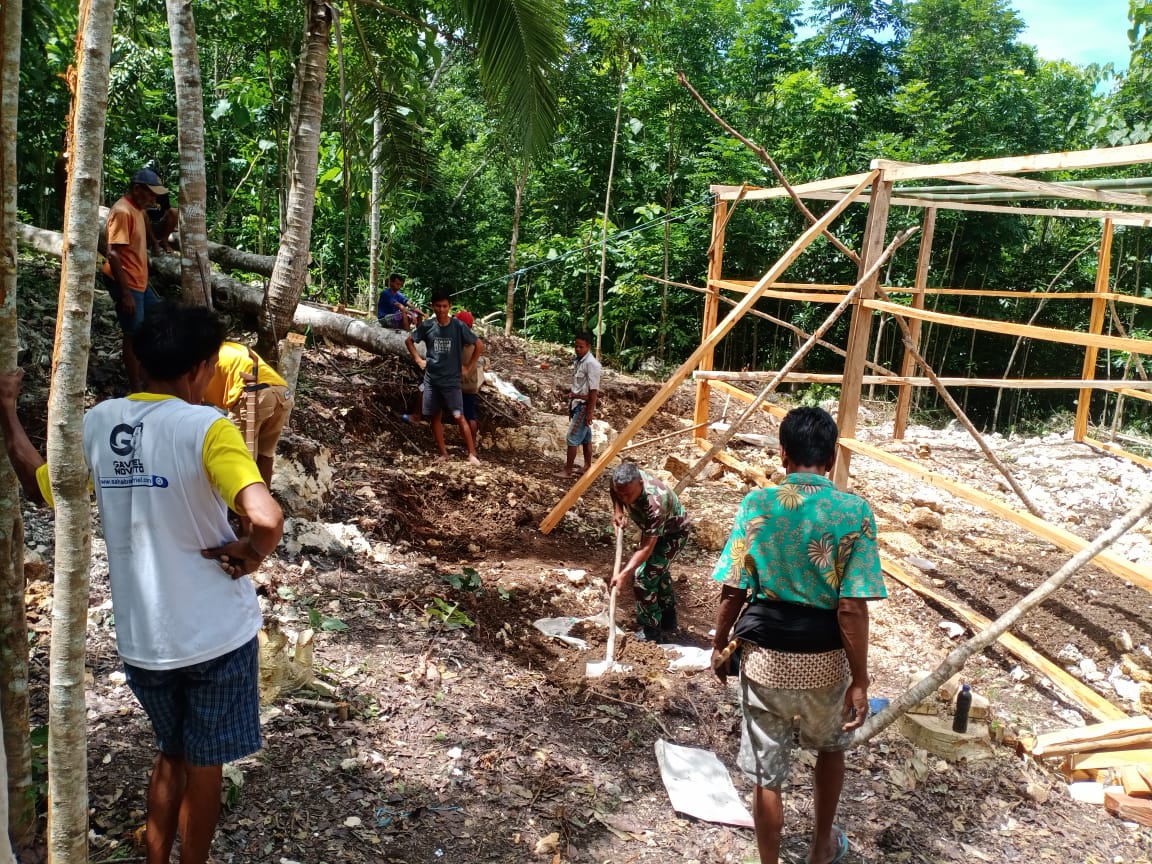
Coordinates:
(612,597)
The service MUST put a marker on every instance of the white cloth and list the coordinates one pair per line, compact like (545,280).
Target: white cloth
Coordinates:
(158,507)
(585,376)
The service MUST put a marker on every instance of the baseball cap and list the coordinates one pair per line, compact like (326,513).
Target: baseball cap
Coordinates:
(466,316)
(148,177)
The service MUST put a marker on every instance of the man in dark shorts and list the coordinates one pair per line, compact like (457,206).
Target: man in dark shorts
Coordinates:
(444,338)
(166,470)
(125,273)
(582,399)
(808,554)
(664,525)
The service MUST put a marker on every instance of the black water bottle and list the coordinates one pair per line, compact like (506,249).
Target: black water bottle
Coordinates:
(963,706)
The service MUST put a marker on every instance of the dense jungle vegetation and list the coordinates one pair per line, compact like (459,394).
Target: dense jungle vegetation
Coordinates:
(824,86)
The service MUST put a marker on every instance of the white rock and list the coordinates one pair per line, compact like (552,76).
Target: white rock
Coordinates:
(954,630)
(1069,654)
(922,517)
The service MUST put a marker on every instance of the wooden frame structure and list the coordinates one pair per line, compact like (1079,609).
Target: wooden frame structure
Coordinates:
(986,186)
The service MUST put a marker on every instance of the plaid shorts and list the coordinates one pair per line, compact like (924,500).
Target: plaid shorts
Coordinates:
(208,712)
(774,717)
(579,432)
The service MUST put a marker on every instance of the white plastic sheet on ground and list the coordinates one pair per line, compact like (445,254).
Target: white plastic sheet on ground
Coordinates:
(698,785)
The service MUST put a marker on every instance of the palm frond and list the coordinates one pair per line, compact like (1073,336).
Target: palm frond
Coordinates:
(519,43)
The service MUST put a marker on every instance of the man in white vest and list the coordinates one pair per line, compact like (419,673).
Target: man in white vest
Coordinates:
(165,470)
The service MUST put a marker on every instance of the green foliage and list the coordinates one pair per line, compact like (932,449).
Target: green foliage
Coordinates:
(448,614)
(467,579)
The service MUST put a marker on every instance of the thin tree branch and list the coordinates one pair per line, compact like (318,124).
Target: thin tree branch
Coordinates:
(769,161)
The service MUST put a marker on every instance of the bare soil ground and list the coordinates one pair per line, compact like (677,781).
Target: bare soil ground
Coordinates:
(488,743)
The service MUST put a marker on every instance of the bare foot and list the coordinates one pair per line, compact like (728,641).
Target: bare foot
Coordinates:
(473,458)
(563,474)
(443,457)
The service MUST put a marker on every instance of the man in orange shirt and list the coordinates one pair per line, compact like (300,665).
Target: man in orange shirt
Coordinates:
(126,270)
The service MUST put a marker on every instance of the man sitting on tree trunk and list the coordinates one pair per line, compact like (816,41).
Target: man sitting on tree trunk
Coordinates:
(166,469)
(807,552)
(125,273)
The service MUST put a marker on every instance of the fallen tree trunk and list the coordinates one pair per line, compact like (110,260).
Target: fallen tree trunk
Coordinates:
(48,242)
(229,293)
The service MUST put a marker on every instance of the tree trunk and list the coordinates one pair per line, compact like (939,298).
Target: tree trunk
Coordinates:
(6,856)
(196,273)
(231,293)
(607,207)
(510,300)
(291,270)
(17,803)
(374,207)
(67,756)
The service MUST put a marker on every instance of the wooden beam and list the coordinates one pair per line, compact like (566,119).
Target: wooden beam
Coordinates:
(1141,218)
(860,329)
(1128,298)
(1104,157)
(1051,334)
(711,311)
(766,407)
(1118,385)
(756,193)
(748,472)
(740,285)
(908,364)
(1095,326)
(1136,394)
(1078,692)
(1118,451)
(693,361)
(1141,577)
(1043,189)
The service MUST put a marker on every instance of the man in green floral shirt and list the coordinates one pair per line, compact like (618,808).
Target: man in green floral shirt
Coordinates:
(808,553)
(664,525)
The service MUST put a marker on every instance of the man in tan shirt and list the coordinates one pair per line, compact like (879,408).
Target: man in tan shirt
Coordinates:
(125,272)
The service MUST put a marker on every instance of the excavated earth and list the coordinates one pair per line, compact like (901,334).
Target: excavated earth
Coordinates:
(444,727)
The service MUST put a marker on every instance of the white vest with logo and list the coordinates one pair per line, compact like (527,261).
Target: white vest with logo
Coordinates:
(158,507)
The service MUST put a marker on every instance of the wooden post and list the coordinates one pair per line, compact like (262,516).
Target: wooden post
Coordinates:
(711,312)
(908,366)
(1096,327)
(861,331)
(688,366)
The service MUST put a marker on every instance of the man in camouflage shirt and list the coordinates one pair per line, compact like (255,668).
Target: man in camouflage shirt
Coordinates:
(663,532)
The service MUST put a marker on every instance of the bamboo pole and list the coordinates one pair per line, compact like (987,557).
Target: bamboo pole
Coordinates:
(956,659)
(645,414)
(952,404)
(1118,384)
(908,364)
(1096,327)
(800,354)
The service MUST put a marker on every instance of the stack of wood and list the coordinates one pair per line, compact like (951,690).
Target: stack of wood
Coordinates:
(1108,763)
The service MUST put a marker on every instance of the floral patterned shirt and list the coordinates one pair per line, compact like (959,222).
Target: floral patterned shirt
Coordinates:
(658,512)
(803,541)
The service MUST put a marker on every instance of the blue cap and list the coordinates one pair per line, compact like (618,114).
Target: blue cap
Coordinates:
(148,177)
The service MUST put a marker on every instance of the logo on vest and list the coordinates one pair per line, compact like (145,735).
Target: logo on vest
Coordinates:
(125,441)
(128,470)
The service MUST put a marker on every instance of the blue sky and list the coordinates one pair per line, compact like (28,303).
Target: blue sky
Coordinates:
(1083,31)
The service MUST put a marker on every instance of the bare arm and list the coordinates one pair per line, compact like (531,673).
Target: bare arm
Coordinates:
(479,350)
(127,300)
(852,614)
(731,602)
(642,554)
(22,453)
(416,358)
(267,526)
(590,405)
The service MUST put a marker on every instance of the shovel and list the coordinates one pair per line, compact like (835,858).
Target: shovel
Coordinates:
(593,669)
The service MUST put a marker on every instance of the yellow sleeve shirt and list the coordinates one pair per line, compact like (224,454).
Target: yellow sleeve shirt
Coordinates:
(229,465)
(227,385)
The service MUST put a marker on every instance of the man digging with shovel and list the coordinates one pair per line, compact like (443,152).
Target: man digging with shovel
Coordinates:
(663,532)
